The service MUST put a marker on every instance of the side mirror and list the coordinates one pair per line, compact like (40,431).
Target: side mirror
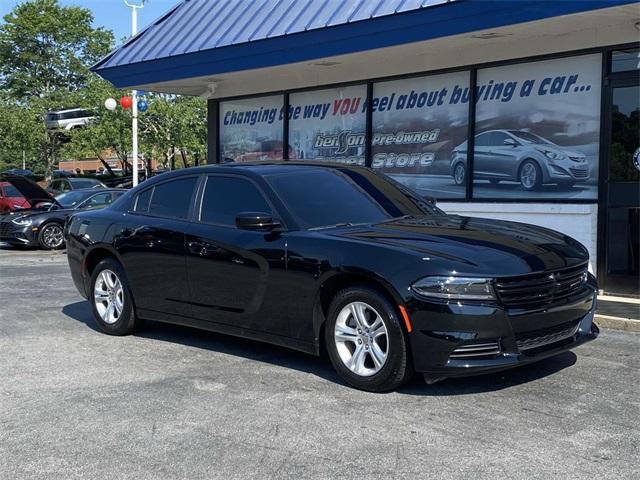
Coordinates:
(510,142)
(256,221)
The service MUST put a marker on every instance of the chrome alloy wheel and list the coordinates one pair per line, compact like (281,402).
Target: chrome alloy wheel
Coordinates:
(458,174)
(361,339)
(108,296)
(52,236)
(529,175)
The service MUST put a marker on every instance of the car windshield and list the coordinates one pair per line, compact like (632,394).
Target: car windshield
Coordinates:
(324,197)
(73,198)
(11,191)
(86,184)
(530,137)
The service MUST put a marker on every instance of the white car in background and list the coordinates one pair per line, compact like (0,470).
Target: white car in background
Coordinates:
(69,118)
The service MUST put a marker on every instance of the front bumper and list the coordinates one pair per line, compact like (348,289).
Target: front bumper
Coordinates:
(568,172)
(454,340)
(18,235)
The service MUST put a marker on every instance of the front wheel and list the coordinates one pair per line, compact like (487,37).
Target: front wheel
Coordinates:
(111,300)
(530,175)
(51,236)
(365,341)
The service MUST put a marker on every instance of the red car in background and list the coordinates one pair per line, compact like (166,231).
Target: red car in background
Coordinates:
(11,199)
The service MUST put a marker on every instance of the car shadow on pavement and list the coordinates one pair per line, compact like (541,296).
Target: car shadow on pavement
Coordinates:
(492,382)
(218,342)
(321,367)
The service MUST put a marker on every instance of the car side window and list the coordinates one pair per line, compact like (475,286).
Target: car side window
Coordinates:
(99,200)
(173,198)
(65,186)
(498,138)
(482,140)
(142,201)
(225,197)
(55,185)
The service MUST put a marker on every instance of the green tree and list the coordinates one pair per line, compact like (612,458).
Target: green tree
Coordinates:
(45,54)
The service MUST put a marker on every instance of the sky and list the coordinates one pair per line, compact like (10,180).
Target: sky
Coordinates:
(111,14)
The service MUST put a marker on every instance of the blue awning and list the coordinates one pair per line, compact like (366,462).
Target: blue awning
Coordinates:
(206,37)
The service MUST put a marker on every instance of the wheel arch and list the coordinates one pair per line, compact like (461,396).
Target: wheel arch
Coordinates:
(94,256)
(541,165)
(339,281)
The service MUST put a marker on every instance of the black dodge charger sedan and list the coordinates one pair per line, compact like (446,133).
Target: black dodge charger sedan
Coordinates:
(327,256)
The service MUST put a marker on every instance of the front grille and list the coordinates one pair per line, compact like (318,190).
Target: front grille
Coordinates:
(5,229)
(541,288)
(547,337)
(478,350)
(579,173)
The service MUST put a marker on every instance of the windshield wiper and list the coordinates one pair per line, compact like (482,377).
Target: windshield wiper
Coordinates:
(335,225)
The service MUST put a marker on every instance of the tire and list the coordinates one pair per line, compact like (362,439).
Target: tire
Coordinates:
(460,174)
(123,322)
(530,175)
(342,341)
(51,236)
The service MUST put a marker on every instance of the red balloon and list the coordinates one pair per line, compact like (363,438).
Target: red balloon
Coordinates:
(126,102)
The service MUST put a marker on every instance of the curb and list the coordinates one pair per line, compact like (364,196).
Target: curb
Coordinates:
(618,323)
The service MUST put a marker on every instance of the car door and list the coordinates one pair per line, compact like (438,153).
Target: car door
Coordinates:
(151,243)
(503,156)
(481,154)
(234,275)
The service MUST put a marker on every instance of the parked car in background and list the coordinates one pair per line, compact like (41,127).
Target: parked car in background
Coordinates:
(519,156)
(326,256)
(62,174)
(69,118)
(18,171)
(11,199)
(61,185)
(42,226)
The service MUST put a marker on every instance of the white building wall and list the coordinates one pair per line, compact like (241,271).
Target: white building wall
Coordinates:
(579,221)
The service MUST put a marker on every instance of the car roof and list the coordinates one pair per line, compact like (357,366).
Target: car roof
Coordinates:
(65,110)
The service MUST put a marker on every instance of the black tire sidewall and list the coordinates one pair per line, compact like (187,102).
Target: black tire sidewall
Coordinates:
(126,324)
(464,174)
(538,181)
(396,368)
(41,238)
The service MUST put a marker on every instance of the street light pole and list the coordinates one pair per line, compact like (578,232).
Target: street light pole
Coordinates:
(134,96)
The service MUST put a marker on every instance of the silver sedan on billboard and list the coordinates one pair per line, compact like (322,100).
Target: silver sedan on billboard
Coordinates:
(519,156)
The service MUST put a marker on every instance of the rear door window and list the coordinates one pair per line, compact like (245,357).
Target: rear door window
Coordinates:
(142,201)
(173,198)
(225,197)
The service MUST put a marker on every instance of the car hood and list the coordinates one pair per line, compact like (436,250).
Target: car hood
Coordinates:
(559,150)
(474,246)
(29,189)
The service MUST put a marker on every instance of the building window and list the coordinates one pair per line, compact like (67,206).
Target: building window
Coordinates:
(537,130)
(625,60)
(420,126)
(251,129)
(328,124)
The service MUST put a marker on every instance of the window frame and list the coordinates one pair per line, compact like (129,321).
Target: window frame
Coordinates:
(131,210)
(215,108)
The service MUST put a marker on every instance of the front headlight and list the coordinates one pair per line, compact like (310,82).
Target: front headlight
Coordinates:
(552,155)
(23,222)
(455,288)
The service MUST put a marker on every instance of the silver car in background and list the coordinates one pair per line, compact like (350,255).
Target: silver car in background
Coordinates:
(519,156)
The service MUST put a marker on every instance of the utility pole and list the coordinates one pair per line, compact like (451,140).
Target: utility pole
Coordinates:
(134,95)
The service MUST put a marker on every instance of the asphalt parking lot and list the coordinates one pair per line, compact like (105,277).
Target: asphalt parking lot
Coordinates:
(174,402)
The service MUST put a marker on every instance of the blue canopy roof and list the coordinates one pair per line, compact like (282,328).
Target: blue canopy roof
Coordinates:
(206,37)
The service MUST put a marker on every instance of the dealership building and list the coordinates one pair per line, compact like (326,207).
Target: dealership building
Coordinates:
(518,110)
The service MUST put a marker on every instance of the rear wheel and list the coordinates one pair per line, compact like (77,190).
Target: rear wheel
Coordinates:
(459,174)
(365,341)
(111,300)
(51,236)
